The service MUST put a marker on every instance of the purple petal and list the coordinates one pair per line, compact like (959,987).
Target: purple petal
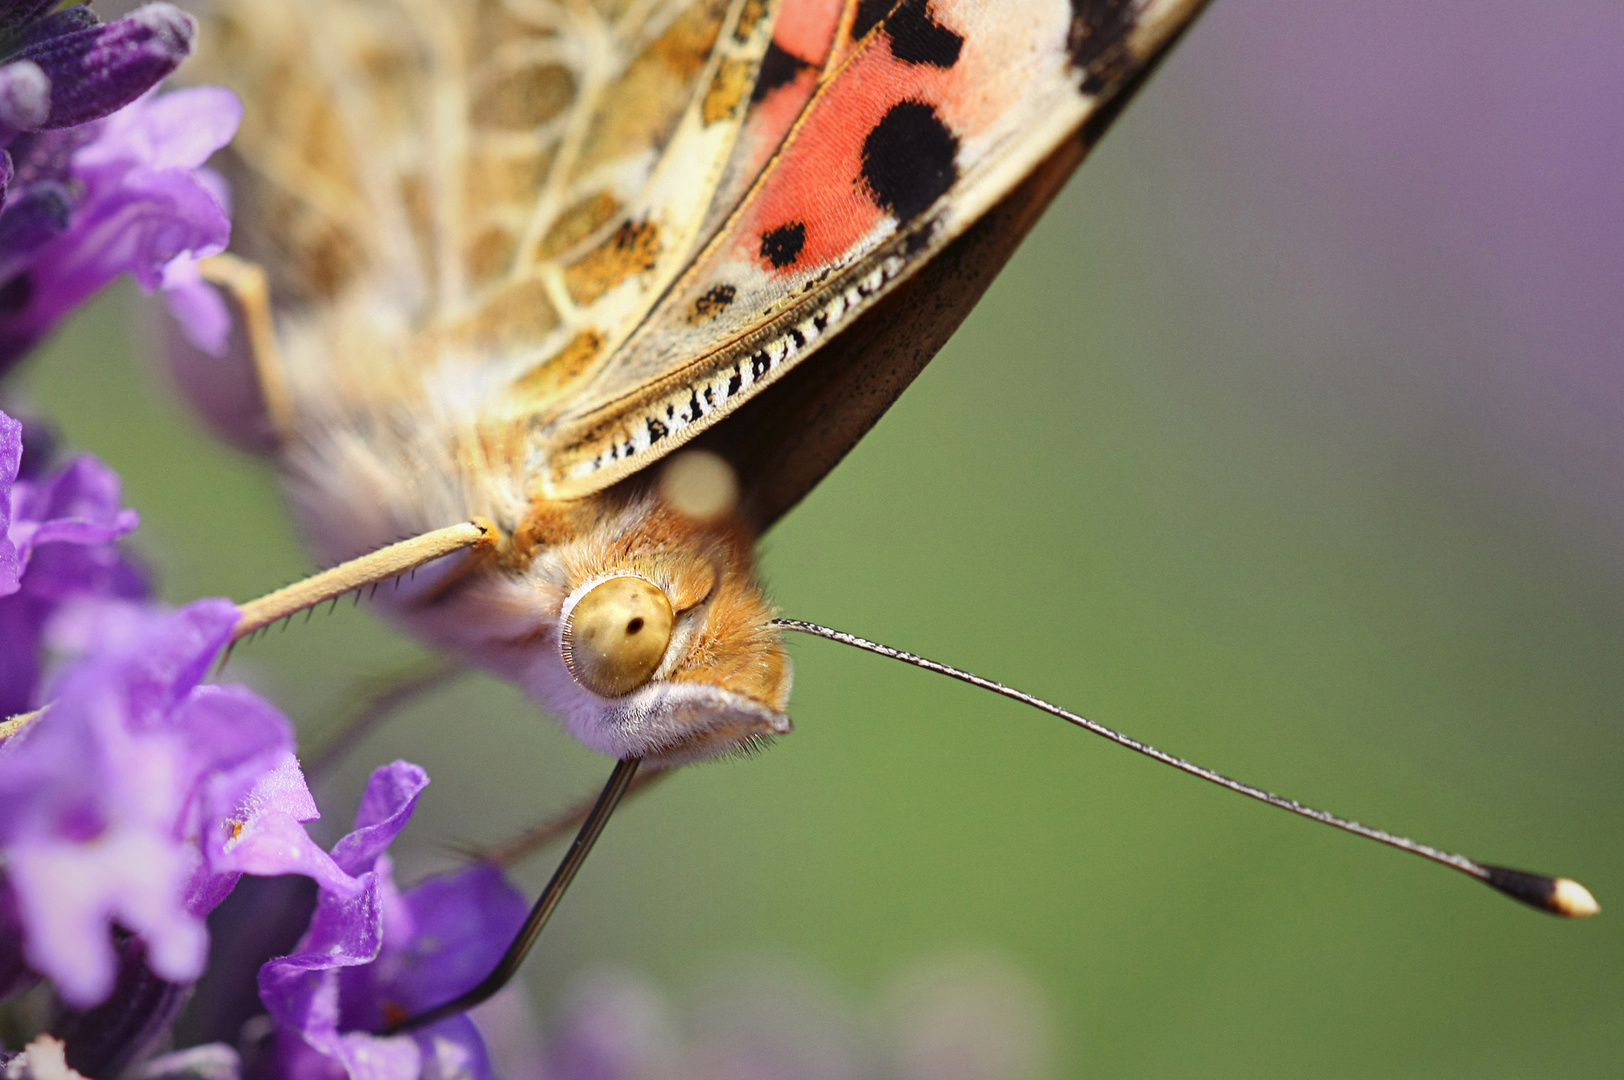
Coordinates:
(36,215)
(25,95)
(48,155)
(367,1057)
(301,991)
(161,657)
(261,833)
(143,205)
(137,229)
(61,528)
(178,130)
(139,795)
(81,504)
(69,893)
(276,844)
(250,798)
(327,995)
(196,306)
(454,1047)
(245,748)
(11,459)
(97,70)
(289,1057)
(21,621)
(456,927)
(386,806)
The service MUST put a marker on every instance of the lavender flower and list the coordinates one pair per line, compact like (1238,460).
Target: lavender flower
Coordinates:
(127,195)
(58,545)
(373,954)
(139,795)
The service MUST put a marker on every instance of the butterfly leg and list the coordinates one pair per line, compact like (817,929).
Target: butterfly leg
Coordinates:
(539,836)
(249,294)
(619,781)
(378,703)
(381,565)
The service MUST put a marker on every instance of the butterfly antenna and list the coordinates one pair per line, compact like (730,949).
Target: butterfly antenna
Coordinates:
(619,780)
(1558,895)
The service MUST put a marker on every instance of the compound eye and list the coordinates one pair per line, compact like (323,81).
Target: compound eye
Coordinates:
(616,634)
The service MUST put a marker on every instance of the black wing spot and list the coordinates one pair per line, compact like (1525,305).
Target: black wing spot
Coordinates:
(779,67)
(917,38)
(782,246)
(1098,40)
(712,302)
(909,159)
(919,239)
(869,14)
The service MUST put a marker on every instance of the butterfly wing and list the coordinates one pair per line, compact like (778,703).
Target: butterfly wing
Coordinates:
(473,202)
(930,121)
(571,236)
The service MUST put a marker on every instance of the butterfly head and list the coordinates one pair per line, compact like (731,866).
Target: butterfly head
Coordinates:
(662,645)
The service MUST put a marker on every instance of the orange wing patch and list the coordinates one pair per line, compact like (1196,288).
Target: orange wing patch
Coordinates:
(795,61)
(939,109)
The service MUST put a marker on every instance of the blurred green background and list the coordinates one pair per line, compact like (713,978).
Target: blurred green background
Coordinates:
(1290,442)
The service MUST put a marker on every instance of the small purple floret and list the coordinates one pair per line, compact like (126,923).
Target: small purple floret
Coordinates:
(131,798)
(148,208)
(58,546)
(97,180)
(373,954)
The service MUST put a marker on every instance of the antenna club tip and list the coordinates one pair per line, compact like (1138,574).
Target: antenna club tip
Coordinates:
(1573,900)
(1558,895)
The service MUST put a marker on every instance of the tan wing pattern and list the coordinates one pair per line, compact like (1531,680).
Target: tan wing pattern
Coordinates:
(929,121)
(474,201)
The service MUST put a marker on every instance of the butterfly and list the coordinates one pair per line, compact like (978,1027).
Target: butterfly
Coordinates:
(522,252)
(580,298)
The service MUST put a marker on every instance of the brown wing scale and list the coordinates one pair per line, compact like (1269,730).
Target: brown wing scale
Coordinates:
(474,197)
